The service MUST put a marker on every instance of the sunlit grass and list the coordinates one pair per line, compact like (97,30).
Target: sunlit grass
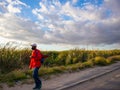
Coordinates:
(14,62)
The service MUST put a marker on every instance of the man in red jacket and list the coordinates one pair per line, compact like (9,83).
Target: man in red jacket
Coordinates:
(35,64)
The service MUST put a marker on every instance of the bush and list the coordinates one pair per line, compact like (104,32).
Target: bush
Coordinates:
(45,70)
(9,59)
(114,58)
(75,60)
(68,61)
(13,58)
(100,61)
(109,61)
(18,75)
(59,69)
(74,67)
(51,70)
(88,64)
(13,76)
(60,59)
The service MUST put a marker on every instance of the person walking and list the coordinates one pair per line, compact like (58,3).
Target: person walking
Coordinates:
(35,64)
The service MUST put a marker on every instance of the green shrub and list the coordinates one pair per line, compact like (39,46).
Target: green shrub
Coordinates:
(13,76)
(114,58)
(13,58)
(100,61)
(109,61)
(88,64)
(45,70)
(80,65)
(18,75)
(60,59)
(59,69)
(75,60)
(72,68)
(68,61)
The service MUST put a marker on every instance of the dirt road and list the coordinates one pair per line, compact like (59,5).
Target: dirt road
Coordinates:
(111,81)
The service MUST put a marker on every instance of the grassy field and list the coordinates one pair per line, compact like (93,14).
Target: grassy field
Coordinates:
(14,62)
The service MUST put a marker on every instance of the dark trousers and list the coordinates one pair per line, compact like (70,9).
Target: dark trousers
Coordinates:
(38,82)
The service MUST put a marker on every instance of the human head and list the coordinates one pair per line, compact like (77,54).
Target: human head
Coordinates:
(34,46)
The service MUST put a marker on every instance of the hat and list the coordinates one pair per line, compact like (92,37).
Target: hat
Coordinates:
(34,44)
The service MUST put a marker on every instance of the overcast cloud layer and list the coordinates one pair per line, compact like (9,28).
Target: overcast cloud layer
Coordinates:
(58,23)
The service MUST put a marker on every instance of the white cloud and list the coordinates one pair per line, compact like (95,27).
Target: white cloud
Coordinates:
(12,9)
(43,8)
(74,1)
(113,6)
(89,24)
(19,29)
(63,23)
(12,6)
(3,6)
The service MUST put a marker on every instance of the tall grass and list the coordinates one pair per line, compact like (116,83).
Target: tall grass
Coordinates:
(17,60)
(11,58)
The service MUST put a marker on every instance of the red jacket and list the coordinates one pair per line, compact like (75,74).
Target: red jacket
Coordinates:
(35,59)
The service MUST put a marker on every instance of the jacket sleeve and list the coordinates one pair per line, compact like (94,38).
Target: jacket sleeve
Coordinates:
(45,56)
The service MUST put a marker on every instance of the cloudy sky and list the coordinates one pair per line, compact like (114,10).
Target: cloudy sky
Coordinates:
(61,24)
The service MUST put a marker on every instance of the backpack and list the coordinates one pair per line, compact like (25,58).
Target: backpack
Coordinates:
(43,58)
